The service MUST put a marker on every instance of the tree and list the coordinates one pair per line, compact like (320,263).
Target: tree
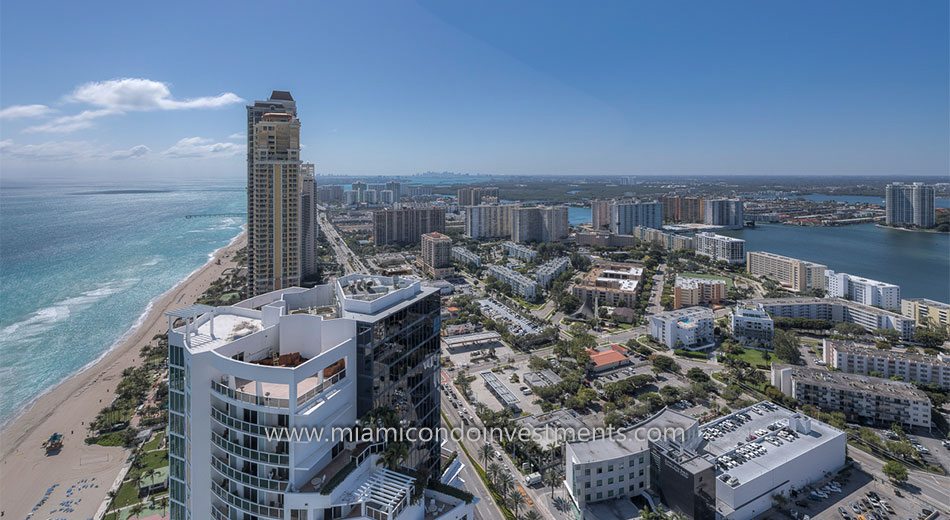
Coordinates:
(849,329)
(532,515)
(493,471)
(665,364)
(696,374)
(505,481)
(485,450)
(552,480)
(895,471)
(517,500)
(136,510)
(930,337)
(785,345)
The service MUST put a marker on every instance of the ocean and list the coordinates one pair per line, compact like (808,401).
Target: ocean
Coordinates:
(80,264)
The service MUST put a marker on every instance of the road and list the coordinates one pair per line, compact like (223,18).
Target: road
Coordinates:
(486,509)
(487,506)
(934,489)
(344,256)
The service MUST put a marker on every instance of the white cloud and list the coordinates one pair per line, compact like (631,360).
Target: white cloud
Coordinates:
(202,147)
(24,111)
(136,94)
(131,153)
(238,136)
(74,151)
(49,151)
(72,123)
(115,97)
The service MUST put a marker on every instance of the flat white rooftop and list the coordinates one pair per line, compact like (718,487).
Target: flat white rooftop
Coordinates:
(759,426)
(227,328)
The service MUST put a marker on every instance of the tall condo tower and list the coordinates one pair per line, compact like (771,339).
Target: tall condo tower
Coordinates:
(272,181)
(910,205)
(274,204)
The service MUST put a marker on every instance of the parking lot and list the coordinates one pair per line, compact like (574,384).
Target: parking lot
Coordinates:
(516,323)
(850,499)
(486,397)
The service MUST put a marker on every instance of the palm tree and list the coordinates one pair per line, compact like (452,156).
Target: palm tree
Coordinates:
(164,503)
(485,450)
(394,454)
(505,480)
(517,500)
(144,477)
(551,479)
(532,515)
(493,471)
(111,495)
(136,510)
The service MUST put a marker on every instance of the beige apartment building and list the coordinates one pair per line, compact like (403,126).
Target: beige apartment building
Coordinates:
(794,274)
(688,292)
(436,257)
(274,197)
(926,313)
(610,283)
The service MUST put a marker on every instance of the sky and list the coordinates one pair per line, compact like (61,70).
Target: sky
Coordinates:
(157,90)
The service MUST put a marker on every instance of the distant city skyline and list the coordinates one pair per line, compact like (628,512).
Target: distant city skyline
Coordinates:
(131,92)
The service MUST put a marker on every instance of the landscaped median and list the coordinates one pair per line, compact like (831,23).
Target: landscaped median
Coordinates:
(498,499)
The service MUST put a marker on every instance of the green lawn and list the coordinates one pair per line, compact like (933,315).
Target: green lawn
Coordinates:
(154,442)
(757,358)
(708,277)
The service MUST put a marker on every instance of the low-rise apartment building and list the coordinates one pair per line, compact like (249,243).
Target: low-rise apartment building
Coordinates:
(688,292)
(464,256)
(690,328)
(752,326)
(550,270)
(792,273)
(837,310)
(860,398)
(519,283)
(863,290)
(519,251)
(859,358)
(927,313)
(610,283)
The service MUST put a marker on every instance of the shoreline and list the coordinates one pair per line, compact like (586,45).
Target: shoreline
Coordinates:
(25,471)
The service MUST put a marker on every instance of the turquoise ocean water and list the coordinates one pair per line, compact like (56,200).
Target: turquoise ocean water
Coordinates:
(79,265)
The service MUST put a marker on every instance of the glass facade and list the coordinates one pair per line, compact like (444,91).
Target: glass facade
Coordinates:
(398,361)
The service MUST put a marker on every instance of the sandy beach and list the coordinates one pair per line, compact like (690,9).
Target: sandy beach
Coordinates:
(25,470)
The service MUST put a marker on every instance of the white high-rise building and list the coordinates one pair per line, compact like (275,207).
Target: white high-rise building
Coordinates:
(488,221)
(239,375)
(863,290)
(724,212)
(720,247)
(624,216)
(909,205)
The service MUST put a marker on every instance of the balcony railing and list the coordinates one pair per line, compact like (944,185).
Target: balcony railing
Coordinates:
(244,478)
(256,509)
(237,424)
(327,383)
(238,395)
(247,453)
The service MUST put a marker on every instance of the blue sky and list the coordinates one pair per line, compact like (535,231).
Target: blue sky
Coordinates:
(495,86)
